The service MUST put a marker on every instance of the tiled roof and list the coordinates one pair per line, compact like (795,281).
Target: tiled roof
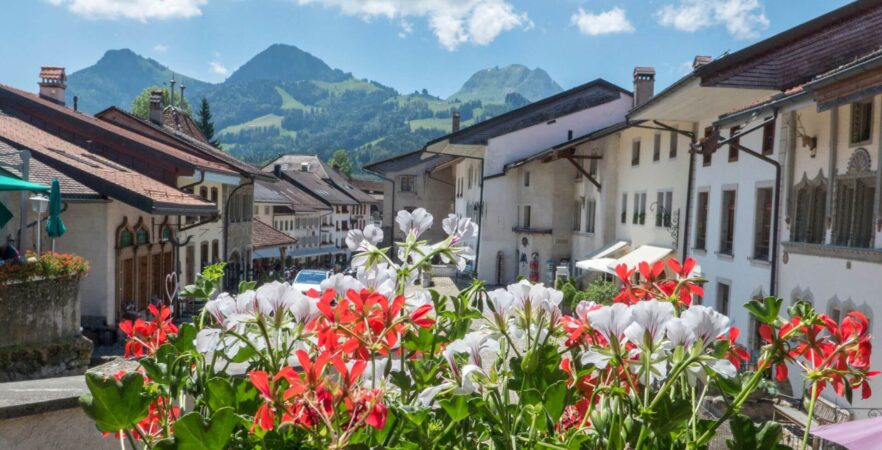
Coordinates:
(407,160)
(36,107)
(319,188)
(283,192)
(39,172)
(138,125)
(323,170)
(52,73)
(368,185)
(100,174)
(263,236)
(179,120)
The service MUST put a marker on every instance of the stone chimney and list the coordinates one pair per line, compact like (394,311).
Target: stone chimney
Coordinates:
(304,166)
(701,60)
(53,82)
(644,85)
(455,120)
(156,107)
(277,170)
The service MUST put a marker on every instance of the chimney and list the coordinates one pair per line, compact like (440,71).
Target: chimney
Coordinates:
(701,60)
(277,170)
(76,102)
(181,104)
(304,166)
(455,119)
(644,84)
(53,82)
(156,107)
(171,92)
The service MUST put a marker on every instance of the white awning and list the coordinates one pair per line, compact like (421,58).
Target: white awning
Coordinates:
(597,265)
(266,252)
(606,252)
(647,253)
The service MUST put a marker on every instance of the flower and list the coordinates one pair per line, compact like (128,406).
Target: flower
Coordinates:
(611,321)
(650,319)
(414,223)
(473,344)
(265,416)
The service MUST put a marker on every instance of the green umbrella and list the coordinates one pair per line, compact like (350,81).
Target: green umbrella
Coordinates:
(54,225)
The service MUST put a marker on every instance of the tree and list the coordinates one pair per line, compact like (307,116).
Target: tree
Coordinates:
(206,124)
(141,103)
(340,162)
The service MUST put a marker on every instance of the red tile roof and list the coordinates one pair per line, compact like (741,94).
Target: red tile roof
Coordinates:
(36,107)
(39,172)
(179,120)
(100,174)
(263,236)
(52,73)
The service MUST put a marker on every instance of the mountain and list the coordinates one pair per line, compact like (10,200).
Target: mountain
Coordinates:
(494,84)
(282,62)
(285,100)
(118,77)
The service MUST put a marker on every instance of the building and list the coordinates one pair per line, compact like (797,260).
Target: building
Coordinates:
(299,215)
(827,78)
(269,246)
(415,180)
(522,224)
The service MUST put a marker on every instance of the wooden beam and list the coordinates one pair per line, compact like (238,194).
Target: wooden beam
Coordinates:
(586,157)
(584,172)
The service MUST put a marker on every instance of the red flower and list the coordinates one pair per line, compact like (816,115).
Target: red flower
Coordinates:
(736,353)
(419,316)
(265,416)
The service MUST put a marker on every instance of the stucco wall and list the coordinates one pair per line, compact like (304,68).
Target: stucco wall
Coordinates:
(434,192)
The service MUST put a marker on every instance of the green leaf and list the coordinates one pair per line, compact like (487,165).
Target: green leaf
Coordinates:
(766,311)
(457,407)
(555,398)
(186,339)
(115,405)
(191,432)
(245,286)
(220,394)
(155,370)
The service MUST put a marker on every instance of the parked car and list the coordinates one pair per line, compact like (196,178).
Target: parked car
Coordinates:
(310,279)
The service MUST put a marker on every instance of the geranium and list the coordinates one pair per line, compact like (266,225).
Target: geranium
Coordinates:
(145,337)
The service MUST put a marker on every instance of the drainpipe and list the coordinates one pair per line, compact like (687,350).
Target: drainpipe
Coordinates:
(776,207)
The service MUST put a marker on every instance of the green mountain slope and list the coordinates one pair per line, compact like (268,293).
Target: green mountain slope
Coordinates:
(285,100)
(118,77)
(494,84)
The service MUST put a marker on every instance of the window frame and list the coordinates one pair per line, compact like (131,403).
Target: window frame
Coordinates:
(728,213)
(762,234)
(673,144)
(656,147)
(768,138)
(867,123)
(635,152)
(411,182)
(734,143)
(701,212)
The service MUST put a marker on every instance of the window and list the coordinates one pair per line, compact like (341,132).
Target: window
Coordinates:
(624,208)
(656,147)
(701,221)
(471,175)
(203,192)
(266,210)
(592,167)
(861,121)
(527,178)
(707,156)
(592,210)
(635,152)
(639,217)
(811,204)
(723,298)
(854,212)
(763,224)
(407,183)
(769,138)
(203,254)
(663,208)
(675,139)
(215,251)
(214,195)
(733,144)
(577,214)
(727,223)
(524,212)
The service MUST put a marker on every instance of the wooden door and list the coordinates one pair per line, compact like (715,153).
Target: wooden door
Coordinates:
(143,281)
(127,285)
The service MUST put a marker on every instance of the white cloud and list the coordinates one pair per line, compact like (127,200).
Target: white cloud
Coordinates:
(607,22)
(218,68)
(160,48)
(743,19)
(406,29)
(142,10)
(454,22)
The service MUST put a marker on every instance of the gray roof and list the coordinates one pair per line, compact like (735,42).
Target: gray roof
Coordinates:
(319,188)
(406,161)
(283,192)
(579,98)
(325,172)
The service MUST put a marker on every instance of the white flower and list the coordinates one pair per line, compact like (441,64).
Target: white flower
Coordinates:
(427,396)
(459,229)
(341,284)
(379,278)
(303,308)
(535,297)
(600,360)
(416,222)
(705,323)
(221,307)
(364,240)
(678,333)
(611,321)
(650,317)
(273,298)
(473,344)
(208,339)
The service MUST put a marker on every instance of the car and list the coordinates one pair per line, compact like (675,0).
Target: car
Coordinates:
(310,279)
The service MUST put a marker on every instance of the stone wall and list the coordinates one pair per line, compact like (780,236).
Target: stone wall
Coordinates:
(40,330)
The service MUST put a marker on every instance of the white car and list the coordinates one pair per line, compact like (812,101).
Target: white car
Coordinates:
(310,279)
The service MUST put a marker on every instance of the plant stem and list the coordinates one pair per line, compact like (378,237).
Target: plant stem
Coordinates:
(736,404)
(811,412)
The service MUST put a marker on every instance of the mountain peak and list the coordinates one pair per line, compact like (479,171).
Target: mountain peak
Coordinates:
(284,62)
(491,85)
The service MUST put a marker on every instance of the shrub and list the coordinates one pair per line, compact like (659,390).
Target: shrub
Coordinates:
(46,265)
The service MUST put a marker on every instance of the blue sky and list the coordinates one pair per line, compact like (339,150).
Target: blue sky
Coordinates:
(405,44)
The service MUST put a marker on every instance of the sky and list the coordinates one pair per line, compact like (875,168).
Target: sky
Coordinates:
(406,44)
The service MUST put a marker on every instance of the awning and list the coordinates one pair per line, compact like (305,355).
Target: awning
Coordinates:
(8,183)
(600,260)
(644,253)
(270,252)
(855,435)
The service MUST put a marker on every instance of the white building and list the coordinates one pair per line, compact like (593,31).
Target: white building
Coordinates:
(294,212)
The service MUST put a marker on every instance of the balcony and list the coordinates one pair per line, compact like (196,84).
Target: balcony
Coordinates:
(871,255)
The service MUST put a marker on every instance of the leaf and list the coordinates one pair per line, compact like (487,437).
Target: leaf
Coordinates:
(245,286)
(186,339)
(766,311)
(115,405)
(745,434)
(220,394)
(192,434)
(555,396)
(155,370)
(457,407)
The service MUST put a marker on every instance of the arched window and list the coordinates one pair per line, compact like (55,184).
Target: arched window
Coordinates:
(811,210)
(165,234)
(203,192)
(142,237)
(126,239)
